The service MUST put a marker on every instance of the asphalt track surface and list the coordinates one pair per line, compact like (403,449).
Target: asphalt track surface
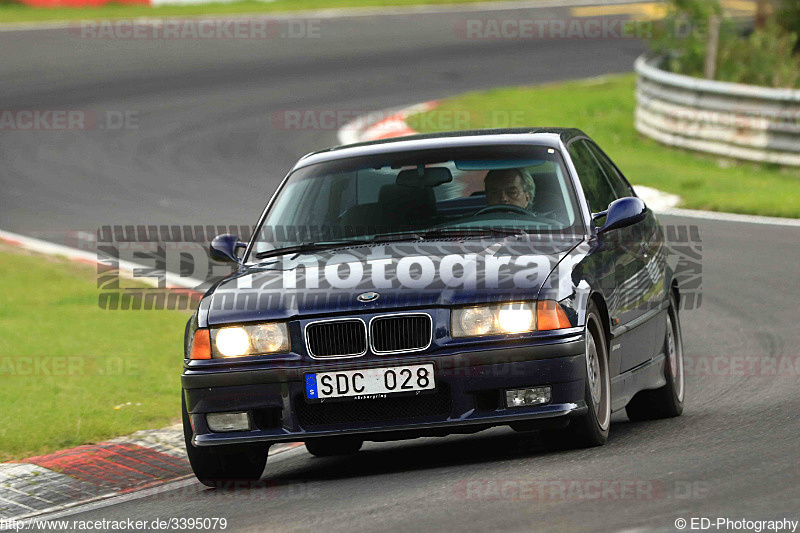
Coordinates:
(207,152)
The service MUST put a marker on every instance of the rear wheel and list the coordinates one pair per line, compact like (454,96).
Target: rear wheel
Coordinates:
(330,446)
(667,401)
(218,466)
(592,428)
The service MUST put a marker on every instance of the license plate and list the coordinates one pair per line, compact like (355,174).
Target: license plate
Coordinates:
(369,383)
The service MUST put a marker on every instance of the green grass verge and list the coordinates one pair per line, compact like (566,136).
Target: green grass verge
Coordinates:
(69,368)
(603,108)
(11,12)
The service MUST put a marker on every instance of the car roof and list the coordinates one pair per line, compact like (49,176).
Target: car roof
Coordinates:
(551,137)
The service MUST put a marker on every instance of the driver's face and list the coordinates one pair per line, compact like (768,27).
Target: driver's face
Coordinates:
(507,190)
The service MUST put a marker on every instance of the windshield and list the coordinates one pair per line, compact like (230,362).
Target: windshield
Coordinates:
(423,194)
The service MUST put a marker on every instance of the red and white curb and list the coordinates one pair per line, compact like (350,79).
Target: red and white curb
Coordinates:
(62,480)
(385,124)
(391,123)
(54,483)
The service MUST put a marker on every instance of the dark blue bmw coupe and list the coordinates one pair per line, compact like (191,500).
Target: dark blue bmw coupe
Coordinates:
(432,285)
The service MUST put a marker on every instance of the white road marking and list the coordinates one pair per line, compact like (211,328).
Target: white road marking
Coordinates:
(125,267)
(732,217)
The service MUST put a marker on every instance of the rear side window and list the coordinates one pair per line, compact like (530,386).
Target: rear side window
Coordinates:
(596,188)
(618,183)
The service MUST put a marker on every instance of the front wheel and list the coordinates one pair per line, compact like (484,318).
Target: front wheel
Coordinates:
(217,466)
(667,401)
(592,428)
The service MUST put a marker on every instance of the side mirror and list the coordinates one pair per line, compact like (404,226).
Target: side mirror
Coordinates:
(223,248)
(622,213)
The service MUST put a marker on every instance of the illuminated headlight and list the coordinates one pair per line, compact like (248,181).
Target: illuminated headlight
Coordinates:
(515,318)
(259,339)
(498,319)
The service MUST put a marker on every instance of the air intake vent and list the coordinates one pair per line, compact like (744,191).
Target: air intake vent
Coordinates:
(336,338)
(401,333)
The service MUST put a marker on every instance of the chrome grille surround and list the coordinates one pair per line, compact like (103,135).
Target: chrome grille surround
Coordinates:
(424,331)
(319,331)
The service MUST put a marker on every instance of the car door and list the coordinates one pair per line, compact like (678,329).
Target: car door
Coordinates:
(646,289)
(618,273)
(614,265)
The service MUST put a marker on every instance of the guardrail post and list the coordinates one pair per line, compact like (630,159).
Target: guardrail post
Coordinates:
(710,67)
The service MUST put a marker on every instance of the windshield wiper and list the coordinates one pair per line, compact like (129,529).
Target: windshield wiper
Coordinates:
(439,233)
(472,232)
(435,233)
(309,247)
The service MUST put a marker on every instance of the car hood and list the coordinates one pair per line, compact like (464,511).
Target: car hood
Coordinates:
(401,276)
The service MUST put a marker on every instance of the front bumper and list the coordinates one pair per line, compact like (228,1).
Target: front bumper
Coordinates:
(469,396)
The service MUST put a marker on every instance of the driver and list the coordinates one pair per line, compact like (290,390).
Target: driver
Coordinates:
(513,186)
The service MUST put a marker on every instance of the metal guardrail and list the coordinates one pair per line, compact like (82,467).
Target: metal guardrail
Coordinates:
(728,119)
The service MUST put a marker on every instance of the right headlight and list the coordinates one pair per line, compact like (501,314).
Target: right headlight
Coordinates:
(508,317)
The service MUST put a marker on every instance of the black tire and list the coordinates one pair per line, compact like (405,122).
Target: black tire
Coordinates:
(220,466)
(590,429)
(667,401)
(330,446)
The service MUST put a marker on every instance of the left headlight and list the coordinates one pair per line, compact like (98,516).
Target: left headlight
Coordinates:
(508,317)
(258,339)
(498,319)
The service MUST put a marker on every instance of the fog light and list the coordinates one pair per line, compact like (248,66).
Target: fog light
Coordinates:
(219,422)
(528,397)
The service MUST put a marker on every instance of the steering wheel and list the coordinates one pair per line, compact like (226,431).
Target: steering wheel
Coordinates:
(540,218)
(508,208)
